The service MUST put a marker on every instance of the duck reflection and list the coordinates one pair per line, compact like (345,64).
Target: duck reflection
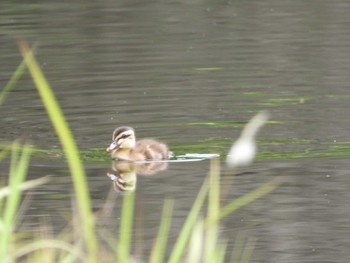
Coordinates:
(123,176)
(124,173)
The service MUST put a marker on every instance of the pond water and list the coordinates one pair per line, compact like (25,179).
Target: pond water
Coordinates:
(191,73)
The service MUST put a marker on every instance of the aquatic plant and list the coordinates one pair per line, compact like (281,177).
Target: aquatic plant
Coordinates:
(69,146)
(10,196)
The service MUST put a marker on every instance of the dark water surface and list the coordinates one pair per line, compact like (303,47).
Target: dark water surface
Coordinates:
(190,73)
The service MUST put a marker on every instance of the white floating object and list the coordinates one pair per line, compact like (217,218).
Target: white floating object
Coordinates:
(243,151)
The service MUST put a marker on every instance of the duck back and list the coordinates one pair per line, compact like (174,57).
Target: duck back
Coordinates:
(152,150)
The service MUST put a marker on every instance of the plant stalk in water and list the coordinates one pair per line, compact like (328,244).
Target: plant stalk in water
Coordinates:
(18,170)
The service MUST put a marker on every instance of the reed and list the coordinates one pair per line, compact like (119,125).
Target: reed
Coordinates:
(186,230)
(125,237)
(10,196)
(70,149)
(160,243)
(18,169)
(13,80)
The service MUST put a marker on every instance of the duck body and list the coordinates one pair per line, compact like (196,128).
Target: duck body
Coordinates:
(124,147)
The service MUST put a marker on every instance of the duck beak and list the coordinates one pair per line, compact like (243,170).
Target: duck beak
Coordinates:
(114,145)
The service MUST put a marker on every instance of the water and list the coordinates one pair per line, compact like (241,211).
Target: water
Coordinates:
(170,68)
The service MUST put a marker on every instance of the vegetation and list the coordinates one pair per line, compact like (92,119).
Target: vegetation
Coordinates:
(198,240)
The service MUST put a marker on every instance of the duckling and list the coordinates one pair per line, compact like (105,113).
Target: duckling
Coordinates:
(124,147)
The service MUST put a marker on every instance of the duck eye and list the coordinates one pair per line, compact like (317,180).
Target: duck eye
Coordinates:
(124,136)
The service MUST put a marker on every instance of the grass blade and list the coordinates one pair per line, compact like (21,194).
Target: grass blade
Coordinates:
(158,250)
(251,196)
(195,248)
(70,148)
(11,83)
(191,219)
(45,244)
(220,253)
(18,170)
(5,191)
(125,231)
(211,238)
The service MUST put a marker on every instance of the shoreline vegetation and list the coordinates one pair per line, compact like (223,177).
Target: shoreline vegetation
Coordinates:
(81,241)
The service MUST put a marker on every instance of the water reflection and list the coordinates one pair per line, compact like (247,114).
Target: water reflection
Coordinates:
(123,176)
(124,173)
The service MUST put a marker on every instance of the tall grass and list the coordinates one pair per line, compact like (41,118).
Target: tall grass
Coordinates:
(11,83)
(10,196)
(70,149)
(197,241)
(159,246)
(124,243)
(19,165)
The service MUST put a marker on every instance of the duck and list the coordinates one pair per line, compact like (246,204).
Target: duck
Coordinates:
(125,147)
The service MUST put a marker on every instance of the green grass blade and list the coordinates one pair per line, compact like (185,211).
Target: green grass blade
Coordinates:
(70,148)
(251,196)
(5,191)
(158,251)
(11,83)
(18,170)
(125,231)
(185,232)
(220,253)
(45,244)
(195,248)
(17,175)
(211,238)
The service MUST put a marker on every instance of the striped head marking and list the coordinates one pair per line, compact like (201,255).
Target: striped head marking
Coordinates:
(123,137)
